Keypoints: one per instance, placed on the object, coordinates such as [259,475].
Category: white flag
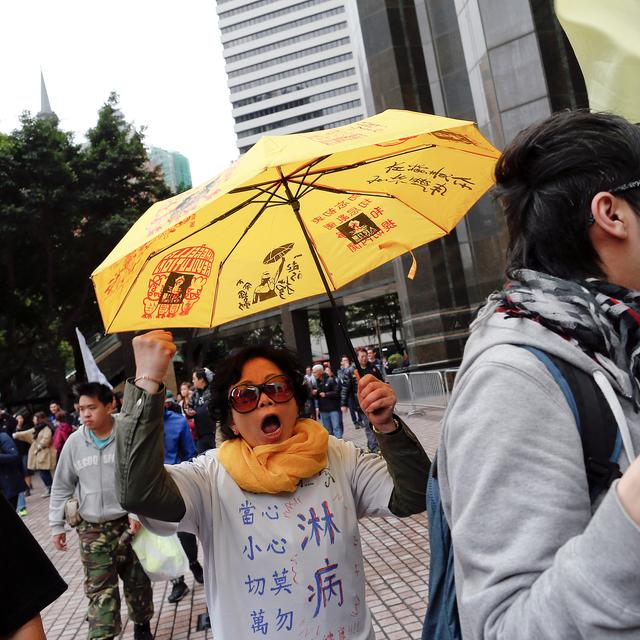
[91,368]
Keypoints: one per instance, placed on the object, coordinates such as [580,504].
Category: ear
[609,215]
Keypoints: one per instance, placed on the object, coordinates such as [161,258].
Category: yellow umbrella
[297,215]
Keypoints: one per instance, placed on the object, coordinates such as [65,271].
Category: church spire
[45,107]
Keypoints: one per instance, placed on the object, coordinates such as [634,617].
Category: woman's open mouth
[271,427]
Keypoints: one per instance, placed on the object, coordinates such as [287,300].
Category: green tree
[62,209]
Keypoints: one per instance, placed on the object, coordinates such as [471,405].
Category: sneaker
[196,569]
[142,631]
[357,425]
[179,591]
[22,512]
[47,492]
[27,492]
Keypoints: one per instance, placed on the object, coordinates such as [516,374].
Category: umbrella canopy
[297,215]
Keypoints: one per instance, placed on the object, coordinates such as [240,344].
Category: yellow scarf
[274,468]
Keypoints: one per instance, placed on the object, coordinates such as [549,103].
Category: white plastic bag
[162,557]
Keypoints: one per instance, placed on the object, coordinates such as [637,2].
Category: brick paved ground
[396,569]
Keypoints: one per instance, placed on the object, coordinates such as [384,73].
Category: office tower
[293,67]
[174,167]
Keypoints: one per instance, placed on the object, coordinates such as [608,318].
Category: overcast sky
[162,57]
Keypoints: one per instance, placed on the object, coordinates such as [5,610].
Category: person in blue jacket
[11,479]
[179,447]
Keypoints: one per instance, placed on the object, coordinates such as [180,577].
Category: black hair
[93,390]
[201,374]
[546,179]
[229,372]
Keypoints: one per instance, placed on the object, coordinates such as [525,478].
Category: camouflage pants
[104,558]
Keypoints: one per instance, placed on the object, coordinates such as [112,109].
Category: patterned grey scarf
[601,318]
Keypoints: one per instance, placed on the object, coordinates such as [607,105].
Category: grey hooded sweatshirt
[531,561]
[88,472]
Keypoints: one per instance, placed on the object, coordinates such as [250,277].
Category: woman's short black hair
[229,372]
[546,179]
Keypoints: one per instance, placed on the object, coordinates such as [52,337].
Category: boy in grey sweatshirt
[531,559]
[87,469]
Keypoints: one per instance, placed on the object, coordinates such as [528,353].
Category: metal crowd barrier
[418,390]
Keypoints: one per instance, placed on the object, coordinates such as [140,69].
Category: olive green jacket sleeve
[142,483]
[408,466]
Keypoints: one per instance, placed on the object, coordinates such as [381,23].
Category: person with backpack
[538,535]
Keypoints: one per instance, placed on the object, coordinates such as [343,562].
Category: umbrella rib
[314,186]
[244,233]
[368,161]
[304,167]
[306,173]
[426,217]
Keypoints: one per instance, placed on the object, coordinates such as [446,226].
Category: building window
[298,86]
[286,42]
[284,27]
[290,56]
[297,103]
[352,104]
[272,15]
[244,8]
[291,72]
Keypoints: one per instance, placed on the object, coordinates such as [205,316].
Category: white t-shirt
[286,565]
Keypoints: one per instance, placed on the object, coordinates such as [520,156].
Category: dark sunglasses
[245,397]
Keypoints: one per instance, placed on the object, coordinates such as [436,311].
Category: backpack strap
[598,428]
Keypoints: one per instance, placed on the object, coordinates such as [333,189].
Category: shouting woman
[276,508]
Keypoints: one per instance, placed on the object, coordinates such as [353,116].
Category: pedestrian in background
[54,407]
[328,399]
[198,410]
[12,482]
[86,469]
[179,447]
[42,455]
[7,421]
[62,433]
[23,449]
[347,392]
[351,385]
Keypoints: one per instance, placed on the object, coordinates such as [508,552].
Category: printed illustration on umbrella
[280,283]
